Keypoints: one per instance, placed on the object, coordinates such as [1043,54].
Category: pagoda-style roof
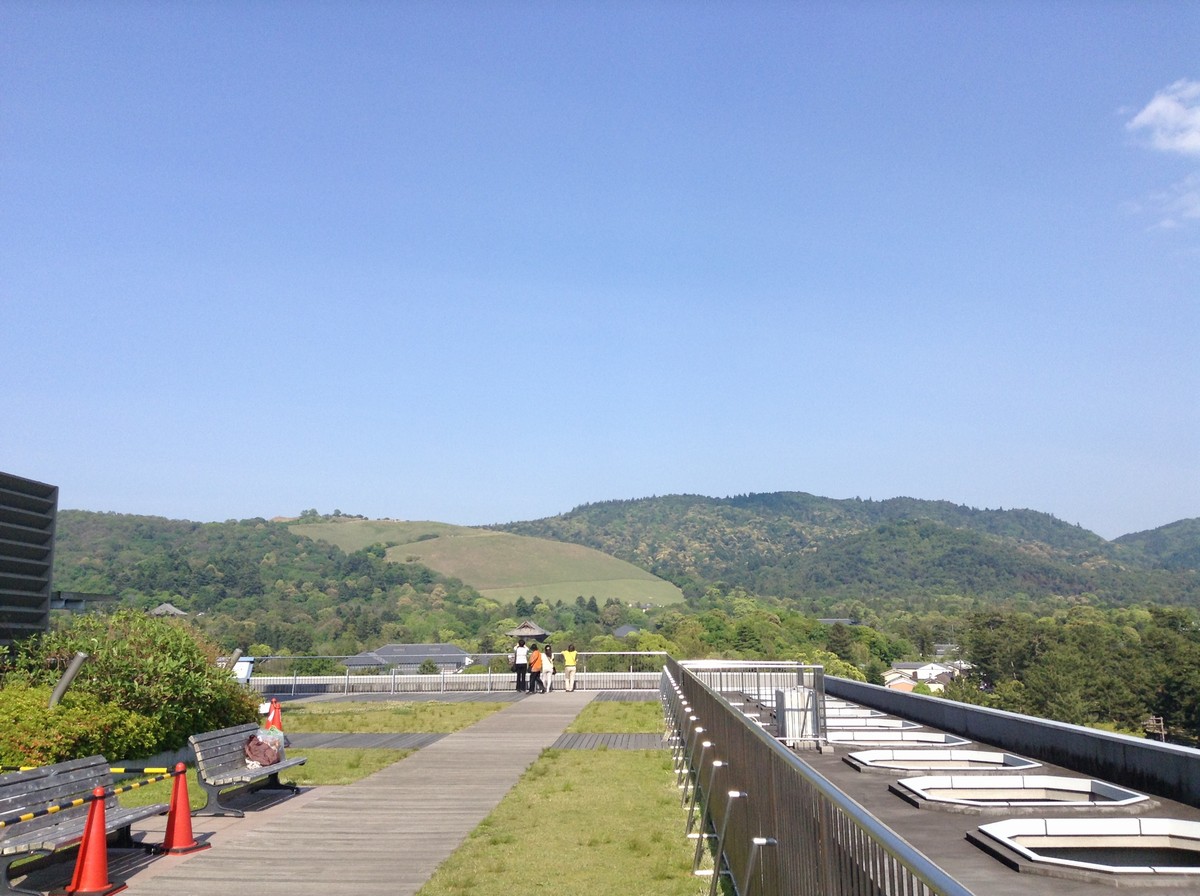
[167,609]
[528,629]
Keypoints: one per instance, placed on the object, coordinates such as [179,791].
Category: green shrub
[157,669]
[34,733]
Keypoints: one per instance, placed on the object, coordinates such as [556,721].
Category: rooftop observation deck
[322,842]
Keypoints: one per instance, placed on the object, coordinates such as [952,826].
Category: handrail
[767,756]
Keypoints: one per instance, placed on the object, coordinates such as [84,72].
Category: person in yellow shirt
[569,656]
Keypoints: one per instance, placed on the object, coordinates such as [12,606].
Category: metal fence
[489,672]
[775,826]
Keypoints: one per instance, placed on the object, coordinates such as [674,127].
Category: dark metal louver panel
[28,511]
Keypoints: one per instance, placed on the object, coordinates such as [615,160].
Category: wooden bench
[34,791]
[221,765]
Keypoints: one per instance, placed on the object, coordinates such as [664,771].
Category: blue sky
[483,262]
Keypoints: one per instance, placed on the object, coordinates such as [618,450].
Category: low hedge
[146,686]
[34,733]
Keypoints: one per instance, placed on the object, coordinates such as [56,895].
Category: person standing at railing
[521,663]
[569,656]
[535,670]
[548,667]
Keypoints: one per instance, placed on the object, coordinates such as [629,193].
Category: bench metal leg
[272,782]
[214,806]
[212,802]
[7,888]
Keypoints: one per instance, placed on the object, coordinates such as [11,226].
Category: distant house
[895,680]
[625,631]
[408,658]
[925,671]
[938,683]
[167,610]
[933,675]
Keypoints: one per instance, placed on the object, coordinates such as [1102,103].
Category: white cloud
[1172,119]
[1181,203]
[1172,123]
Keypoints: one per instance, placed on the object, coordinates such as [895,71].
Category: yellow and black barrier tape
[99,793]
[10,820]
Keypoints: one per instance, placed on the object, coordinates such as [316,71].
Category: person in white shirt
[521,663]
[548,667]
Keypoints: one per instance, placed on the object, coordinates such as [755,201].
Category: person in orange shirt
[535,670]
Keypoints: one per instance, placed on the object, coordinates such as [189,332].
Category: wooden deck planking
[609,741]
[388,832]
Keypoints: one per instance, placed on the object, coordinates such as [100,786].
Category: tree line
[254,585]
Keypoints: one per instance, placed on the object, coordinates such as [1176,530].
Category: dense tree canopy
[1068,627]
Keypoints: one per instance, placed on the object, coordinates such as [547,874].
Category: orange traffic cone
[91,867]
[274,717]
[179,837]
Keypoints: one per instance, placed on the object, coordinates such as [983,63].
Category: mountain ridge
[795,544]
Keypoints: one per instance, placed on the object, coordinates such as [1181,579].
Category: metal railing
[774,825]
[487,673]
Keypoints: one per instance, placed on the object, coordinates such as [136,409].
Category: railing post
[685,766]
[756,846]
[685,736]
[705,801]
[694,776]
[719,849]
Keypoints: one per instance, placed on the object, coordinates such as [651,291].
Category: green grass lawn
[583,821]
[580,821]
[610,717]
[384,717]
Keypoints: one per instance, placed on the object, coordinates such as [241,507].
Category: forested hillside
[817,552]
[257,585]
[1056,621]
[1174,546]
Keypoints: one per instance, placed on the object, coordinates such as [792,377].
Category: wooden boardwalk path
[385,834]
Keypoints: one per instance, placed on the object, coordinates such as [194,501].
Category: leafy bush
[33,733]
[155,669]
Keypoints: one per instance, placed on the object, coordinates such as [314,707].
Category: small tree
[427,667]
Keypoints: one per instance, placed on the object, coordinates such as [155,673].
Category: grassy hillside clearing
[500,565]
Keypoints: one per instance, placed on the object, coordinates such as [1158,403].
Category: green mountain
[1173,546]
[799,546]
[334,586]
